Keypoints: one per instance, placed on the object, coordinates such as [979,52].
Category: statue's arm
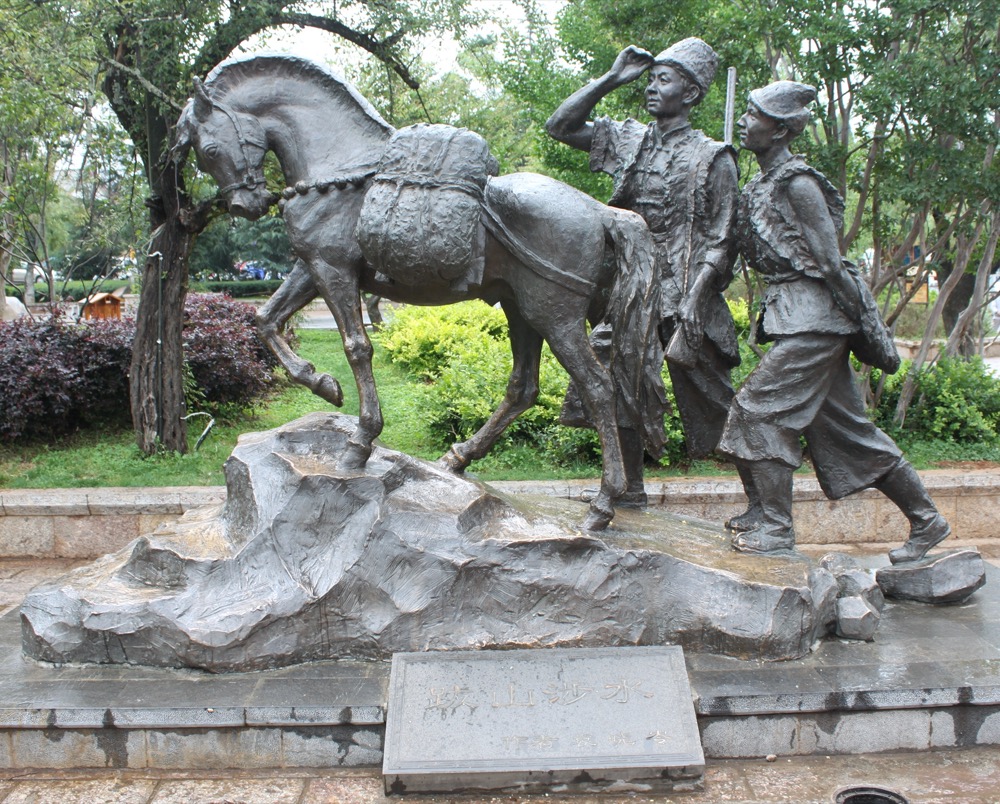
[570,123]
[714,268]
[808,206]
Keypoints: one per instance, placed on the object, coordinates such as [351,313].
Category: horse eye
[210,150]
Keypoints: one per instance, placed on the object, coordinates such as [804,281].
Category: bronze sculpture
[815,309]
[685,187]
[547,253]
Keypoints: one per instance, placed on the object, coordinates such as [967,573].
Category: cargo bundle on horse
[420,220]
[550,255]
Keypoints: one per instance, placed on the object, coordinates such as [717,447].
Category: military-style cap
[785,101]
[695,58]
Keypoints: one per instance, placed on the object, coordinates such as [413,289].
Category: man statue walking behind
[817,310]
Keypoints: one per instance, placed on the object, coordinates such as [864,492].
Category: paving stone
[102,791]
[26,536]
[77,748]
[865,732]
[243,791]
[92,536]
[341,790]
[331,747]
[44,502]
[748,737]
[214,748]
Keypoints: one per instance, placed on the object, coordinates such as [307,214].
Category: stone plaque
[579,719]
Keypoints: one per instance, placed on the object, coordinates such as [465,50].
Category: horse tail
[634,314]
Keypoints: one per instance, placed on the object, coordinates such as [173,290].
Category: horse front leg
[339,288]
[293,294]
[572,348]
[522,392]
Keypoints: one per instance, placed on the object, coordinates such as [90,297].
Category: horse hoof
[326,387]
[354,457]
[597,519]
[452,461]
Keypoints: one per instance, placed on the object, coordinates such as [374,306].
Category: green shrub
[422,340]
[463,355]
[956,400]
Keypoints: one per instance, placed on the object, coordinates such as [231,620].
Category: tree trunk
[955,306]
[157,375]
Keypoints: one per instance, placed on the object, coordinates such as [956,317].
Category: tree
[42,104]
[148,52]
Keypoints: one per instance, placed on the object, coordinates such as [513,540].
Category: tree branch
[144,82]
[382,50]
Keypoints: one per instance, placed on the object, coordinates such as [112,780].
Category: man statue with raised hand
[816,310]
[685,187]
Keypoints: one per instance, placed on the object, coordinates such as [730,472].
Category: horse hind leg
[295,293]
[522,392]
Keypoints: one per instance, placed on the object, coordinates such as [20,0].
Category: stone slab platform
[931,679]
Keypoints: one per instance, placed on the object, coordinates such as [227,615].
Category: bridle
[252,177]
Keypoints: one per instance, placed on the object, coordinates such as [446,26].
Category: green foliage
[424,340]
[957,401]
[462,354]
[228,241]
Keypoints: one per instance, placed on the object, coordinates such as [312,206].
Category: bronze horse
[554,264]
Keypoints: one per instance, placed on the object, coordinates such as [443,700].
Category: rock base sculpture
[948,577]
[305,561]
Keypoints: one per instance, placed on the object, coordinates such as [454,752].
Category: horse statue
[552,256]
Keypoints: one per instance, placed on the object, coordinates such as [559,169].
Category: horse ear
[202,101]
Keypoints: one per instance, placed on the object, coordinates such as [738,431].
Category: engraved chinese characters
[501,717]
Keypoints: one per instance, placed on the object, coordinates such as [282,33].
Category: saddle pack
[420,221]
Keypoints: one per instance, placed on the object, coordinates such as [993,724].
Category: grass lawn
[110,457]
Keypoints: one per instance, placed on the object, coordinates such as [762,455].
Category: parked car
[251,270]
[17,275]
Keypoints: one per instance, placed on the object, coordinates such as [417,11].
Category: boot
[927,527]
[633,457]
[773,533]
[750,518]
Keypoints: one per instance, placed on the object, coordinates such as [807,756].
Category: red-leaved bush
[229,363]
[56,377]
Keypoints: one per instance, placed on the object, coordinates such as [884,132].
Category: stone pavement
[965,776]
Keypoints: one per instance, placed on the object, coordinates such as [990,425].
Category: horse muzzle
[251,205]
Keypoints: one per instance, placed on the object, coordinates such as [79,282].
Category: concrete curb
[91,522]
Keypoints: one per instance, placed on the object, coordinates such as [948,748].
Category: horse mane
[230,73]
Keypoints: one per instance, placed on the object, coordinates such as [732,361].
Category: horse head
[230,146]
